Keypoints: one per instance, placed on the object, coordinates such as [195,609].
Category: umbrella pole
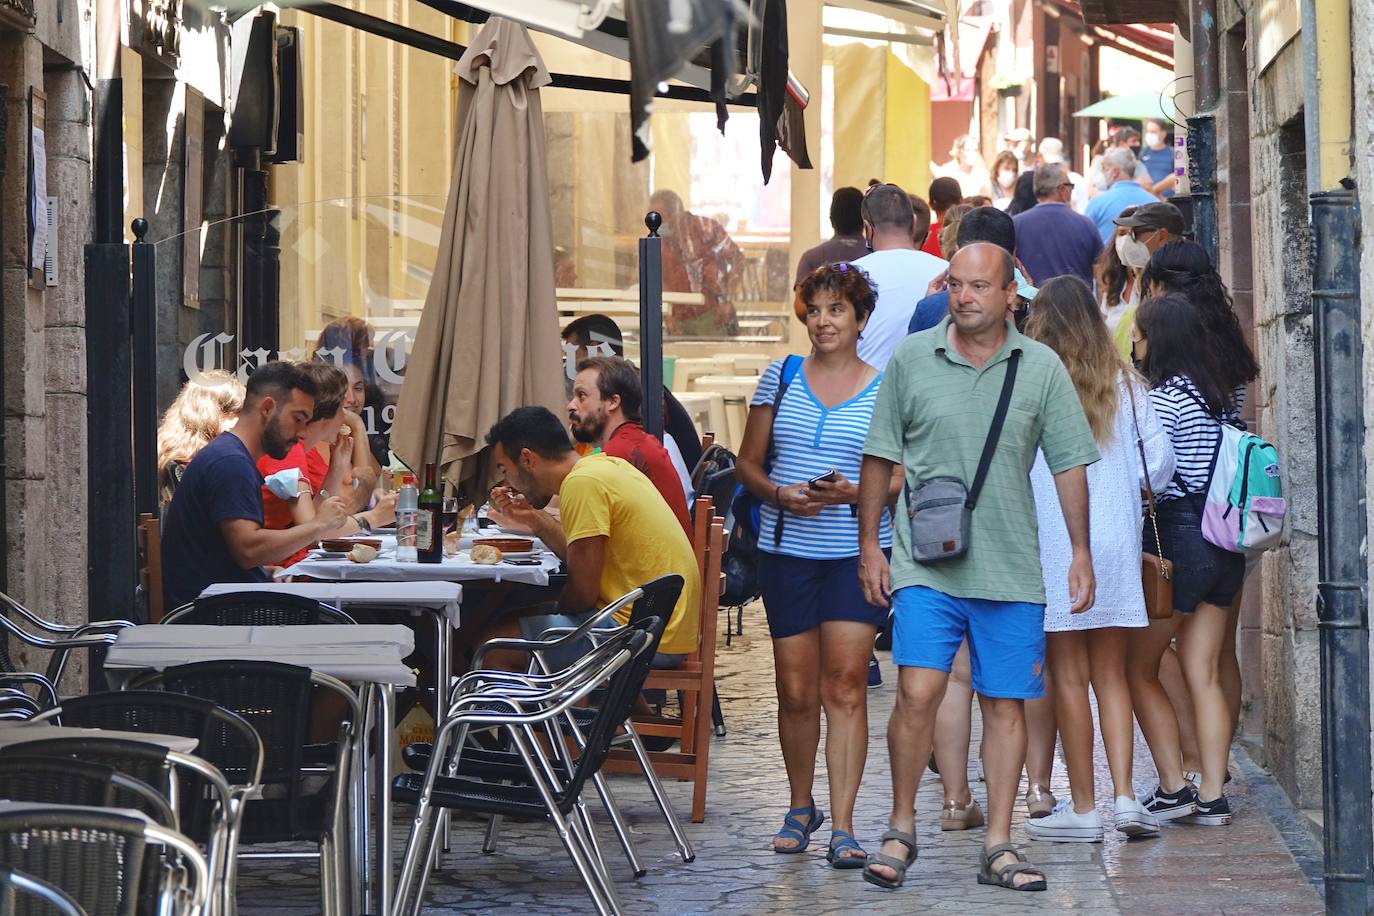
[651,323]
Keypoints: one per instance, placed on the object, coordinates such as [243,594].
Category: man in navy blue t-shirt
[212,530]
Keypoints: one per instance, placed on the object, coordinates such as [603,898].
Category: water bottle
[407,511]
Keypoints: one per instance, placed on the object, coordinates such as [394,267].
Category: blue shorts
[801,594]
[1006,639]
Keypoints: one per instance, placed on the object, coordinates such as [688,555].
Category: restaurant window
[360,217]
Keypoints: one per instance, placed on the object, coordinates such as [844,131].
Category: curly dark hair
[1183,268]
[847,282]
[1177,344]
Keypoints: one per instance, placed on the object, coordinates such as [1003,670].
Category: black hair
[277,380]
[889,206]
[846,211]
[987,224]
[922,211]
[1183,268]
[616,377]
[533,428]
[1177,344]
[1023,195]
[844,281]
[593,329]
[944,193]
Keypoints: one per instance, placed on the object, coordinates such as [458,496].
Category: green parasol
[1136,107]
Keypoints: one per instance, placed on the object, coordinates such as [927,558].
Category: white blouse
[1114,486]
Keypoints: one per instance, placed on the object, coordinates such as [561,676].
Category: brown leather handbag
[1156,573]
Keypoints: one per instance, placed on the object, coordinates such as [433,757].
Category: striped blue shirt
[810,440]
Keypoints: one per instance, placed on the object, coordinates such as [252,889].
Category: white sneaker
[1133,820]
[1064,825]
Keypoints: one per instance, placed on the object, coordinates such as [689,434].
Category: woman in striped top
[1183,267]
[1189,392]
[801,454]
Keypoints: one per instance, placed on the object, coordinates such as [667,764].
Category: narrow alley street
[1247,868]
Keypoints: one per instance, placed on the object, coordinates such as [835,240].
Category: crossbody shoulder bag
[1156,573]
[940,509]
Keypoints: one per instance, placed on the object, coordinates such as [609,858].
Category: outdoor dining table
[12,733]
[369,656]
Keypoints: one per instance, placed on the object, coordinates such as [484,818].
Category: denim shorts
[1006,639]
[1203,572]
[801,594]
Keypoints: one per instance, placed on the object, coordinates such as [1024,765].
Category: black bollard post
[651,324]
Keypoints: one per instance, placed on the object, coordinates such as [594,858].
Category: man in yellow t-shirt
[620,533]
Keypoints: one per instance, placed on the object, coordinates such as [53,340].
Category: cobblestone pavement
[1245,868]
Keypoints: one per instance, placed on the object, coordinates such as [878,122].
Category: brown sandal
[961,817]
[1039,800]
[1006,875]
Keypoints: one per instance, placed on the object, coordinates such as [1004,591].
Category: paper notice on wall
[38,200]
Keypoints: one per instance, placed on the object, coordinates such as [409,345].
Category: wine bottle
[429,532]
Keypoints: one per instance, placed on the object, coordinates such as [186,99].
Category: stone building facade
[45,53]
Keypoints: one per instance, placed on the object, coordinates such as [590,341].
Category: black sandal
[1006,875]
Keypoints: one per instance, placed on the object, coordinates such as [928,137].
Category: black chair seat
[517,801]
[270,820]
[479,763]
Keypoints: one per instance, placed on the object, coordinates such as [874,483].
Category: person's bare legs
[1067,656]
[1171,678]
[1106,651]
[1041,732]
[845,647]
[1200,640]
[1004,754]
[1229,664]
[953,728]
[1153,710]
[919,691]
[795,662]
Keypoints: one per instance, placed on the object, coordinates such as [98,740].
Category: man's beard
[274,444]
[589,431]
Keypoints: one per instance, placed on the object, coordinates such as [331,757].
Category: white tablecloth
[365,653]
[445,595]
[12,733]
[453,569]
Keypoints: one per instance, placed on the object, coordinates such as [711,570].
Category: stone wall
[1289,668]
[45,362]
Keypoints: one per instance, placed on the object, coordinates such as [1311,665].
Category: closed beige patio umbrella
[488,340]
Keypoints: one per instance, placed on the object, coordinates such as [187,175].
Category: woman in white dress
[1090,647]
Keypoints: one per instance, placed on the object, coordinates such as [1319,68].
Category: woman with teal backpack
[1189,392]
[800,457]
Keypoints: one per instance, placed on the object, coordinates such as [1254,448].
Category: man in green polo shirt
[933,414]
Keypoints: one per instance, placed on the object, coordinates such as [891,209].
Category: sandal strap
[897,865]
[1016,868]
[793,827]
[992,852]
[843,839]
[901,836]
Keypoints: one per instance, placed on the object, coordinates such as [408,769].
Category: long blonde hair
[195,417]
[1064,317]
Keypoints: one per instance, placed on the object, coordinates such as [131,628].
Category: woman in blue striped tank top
[801,455]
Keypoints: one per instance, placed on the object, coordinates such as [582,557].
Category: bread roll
[486,555]
[362,553]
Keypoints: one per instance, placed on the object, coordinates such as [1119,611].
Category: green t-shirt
[932,416]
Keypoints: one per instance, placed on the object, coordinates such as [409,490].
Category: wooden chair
[150,564]
[695,679]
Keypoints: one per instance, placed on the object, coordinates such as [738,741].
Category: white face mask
[1132,253]
[1153,140]
[1006,178]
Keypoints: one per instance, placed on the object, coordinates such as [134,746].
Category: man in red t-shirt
[604,411]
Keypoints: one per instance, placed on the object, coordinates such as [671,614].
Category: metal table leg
[386,714]
[443,677]
[363,883]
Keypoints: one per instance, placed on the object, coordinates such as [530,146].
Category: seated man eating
[213,527]
[619,531]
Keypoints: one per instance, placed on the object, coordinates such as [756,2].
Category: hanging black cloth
[772,91]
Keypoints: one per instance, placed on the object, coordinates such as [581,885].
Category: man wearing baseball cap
[1150,225]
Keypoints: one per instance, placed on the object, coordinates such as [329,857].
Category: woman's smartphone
[522,561]
[827,477]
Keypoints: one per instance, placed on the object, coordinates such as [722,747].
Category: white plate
[328,554]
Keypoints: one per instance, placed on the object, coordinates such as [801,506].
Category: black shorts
[801,594]
[1203,572]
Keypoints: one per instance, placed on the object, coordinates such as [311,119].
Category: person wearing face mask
[1157,155]
[1021,144]
[1148,229]
[1005,168]
[1118,167]
[966,167]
